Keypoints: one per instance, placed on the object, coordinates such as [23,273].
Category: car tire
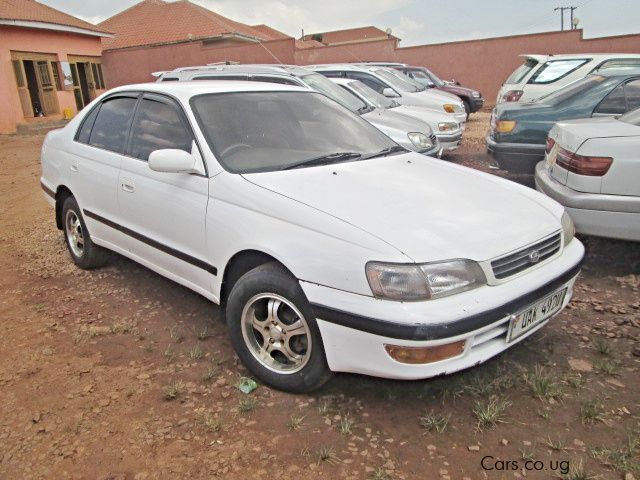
[262,305]
[467,108]
[84,253]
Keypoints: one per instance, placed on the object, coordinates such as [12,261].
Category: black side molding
[153,243]
[48,191]
[442,330]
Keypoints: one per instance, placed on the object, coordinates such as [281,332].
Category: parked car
[472,99]
[385,82]
[541,75]
[518,131]
[409,132]
[447,129]
[330,247]
[592,167]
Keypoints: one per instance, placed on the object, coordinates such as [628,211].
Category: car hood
[428,209]
[573,133]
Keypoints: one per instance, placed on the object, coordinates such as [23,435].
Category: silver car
[411,133]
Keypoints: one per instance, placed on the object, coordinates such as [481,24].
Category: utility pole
[562,9]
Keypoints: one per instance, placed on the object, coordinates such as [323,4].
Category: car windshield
[519,73]
[322,84]
[265,131]
[632,117]
[578,87]
[396,82]
[371,96]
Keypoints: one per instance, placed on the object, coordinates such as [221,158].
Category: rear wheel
[273,330]
[84,252]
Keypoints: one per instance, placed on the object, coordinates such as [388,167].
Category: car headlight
[447,126]
[568,228]
[413,282]
[475,94]
[420,140]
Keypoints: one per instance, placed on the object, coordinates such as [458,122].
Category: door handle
[128,187]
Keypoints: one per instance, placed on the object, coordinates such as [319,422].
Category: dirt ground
[121,374]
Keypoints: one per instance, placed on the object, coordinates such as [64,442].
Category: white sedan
[592,167]
[330,247]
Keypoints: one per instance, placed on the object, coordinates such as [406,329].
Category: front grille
[522,259]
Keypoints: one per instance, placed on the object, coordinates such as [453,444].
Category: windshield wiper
[386,151]
[324,160]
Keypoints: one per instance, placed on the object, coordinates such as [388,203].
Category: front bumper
[355,328]
[601,215]
[515,157]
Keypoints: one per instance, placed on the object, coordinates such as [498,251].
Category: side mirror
[171,160]
[388,92]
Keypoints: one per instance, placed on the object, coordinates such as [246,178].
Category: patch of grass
[295,422]
[434,422]
[624,459]
[196,353]
[380,474]
[325,453]
[210,375]
[176,334]
[345,425]
[211,423]
[491,413]
[173,390]
[120,327]
[577,472]
[169,355]
[247,404]
[602,346]
[203,333]
[590,412]
[605,365]
[542,384]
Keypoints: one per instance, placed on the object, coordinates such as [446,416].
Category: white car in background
[390,83]
[330,247]
[592,167]
[444,125]
[540,75]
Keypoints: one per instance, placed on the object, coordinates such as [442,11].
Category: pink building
[50,62]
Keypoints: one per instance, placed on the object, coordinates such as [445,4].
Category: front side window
[111,126]
[266,131]
[554,70]
[158,125]
[521,72]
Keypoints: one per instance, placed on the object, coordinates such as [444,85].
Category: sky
[414,21]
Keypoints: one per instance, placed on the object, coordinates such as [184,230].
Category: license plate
[551,156]
[535,314]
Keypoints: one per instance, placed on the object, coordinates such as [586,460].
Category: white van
[540,75]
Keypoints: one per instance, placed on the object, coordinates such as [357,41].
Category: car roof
[187,89]
[290,70]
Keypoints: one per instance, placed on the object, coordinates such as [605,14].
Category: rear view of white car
[592,167]
[540,75]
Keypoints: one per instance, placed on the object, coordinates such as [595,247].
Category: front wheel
[273,330]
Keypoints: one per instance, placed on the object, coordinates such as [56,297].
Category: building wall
[36,41]
[135,65]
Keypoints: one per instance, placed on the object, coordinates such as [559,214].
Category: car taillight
[550,143]
[512,95]
[583,165]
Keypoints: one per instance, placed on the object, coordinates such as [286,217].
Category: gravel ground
[121,374]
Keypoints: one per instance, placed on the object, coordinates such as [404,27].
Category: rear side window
[554,70]
[158,125]
[111,126]
[522,71]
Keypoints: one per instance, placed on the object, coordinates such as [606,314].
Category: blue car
[518,134]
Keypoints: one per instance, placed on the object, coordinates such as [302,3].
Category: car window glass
[556,69]
[158,125]
[519,73]
[112,124]
[87,124]
[632,93]
[615,103]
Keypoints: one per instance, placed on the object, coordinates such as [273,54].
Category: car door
[163,213]
[97,152]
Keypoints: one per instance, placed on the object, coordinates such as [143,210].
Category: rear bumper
[601,215]
[515,157]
